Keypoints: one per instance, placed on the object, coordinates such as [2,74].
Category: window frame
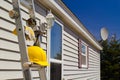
[53,59]
[57,61]
[80,54]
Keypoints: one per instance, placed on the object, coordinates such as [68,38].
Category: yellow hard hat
[37,55]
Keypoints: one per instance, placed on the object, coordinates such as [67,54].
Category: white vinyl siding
[10,65]
[71,71]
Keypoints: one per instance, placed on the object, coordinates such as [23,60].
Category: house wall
[10,66]
[70,58]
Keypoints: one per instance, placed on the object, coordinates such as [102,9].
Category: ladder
[29,4]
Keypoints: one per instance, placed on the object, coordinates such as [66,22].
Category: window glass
[55,71]
[56,41]
[83,49]
[83,60]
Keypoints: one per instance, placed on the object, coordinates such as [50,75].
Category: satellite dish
[104,33]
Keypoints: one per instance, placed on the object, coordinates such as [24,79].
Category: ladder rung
[36,65]
[30,64]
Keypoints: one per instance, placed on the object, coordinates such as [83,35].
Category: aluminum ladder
[29,4]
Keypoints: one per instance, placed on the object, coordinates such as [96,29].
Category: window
[56,52]
[56,41]
[55,71]
[83,54]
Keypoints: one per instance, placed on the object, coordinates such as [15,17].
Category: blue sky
[95,14]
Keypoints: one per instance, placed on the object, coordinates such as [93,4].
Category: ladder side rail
[42,73]
[22,41]
[32,10]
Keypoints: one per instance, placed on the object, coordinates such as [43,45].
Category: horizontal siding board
[5,75]
[10,1]
[12,65]
[9,55]
[73,42]
[94,56]
[94,53]
[94,61]
[94,64]
[4,4]
[75,68]
[67,67]
[81,76]
[7,25]
[9,45]
[79,72]
[70,58]
[86,78]
[70,36]
[70,53]
[72,63]
[8,35]
[5,15]
[70,49]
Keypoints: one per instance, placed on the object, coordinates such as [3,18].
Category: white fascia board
[76,26]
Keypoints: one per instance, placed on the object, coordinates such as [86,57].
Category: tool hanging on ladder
[30,55]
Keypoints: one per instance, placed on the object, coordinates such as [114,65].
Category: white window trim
[55,60]
[51,59]
[86,54]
